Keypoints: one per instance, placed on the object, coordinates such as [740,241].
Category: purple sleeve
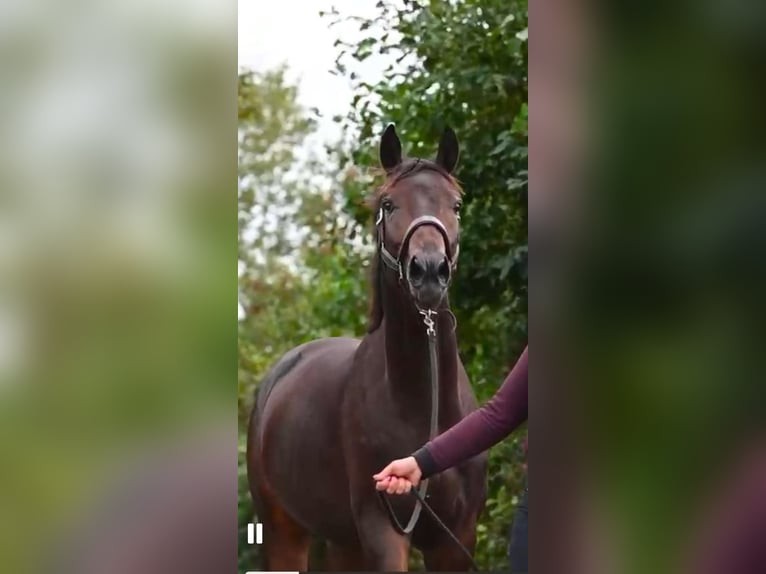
[733,525]
[483,428]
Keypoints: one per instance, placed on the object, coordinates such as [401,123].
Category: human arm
[477,432]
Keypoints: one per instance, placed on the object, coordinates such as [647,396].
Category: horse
[332,412]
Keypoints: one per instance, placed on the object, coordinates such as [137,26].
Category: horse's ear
[449,150]
[390,149]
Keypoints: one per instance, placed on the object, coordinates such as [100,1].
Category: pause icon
[255,533]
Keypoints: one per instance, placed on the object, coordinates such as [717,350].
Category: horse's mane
[407,168]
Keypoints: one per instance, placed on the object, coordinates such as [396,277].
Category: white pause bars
[255,533]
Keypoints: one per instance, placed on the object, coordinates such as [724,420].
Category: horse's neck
[407,358]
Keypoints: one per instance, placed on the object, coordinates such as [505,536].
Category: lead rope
[420,493]
[446,529]
[433,368]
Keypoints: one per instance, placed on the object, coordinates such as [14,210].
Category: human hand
[399,476]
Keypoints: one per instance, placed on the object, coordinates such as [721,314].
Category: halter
[396,263]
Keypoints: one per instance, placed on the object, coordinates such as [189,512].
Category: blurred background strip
[117,285]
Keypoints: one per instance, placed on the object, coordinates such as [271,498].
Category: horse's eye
[387,205]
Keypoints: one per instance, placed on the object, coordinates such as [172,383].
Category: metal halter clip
[428,321]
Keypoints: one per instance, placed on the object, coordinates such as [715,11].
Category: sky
[292,32]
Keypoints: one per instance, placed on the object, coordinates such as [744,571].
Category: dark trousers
[517,545]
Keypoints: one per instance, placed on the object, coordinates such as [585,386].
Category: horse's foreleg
[286,543]
[344,558]
[384,548]
[447,556]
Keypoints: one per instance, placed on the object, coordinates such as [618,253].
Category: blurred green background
[304,229]
[117,337]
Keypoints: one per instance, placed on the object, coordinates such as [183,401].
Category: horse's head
[417,218]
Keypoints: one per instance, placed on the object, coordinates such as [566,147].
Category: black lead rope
[446,529]
[433,368]
[420,493]
[395,263]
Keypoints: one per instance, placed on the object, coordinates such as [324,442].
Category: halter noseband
[395,263]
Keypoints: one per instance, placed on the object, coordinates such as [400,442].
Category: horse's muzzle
[428,275]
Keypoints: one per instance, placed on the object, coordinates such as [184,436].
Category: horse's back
[294,434]
[318,366]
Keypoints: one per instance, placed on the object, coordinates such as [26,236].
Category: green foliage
[271,124]
[461,64]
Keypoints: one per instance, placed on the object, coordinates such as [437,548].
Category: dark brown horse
[333,412]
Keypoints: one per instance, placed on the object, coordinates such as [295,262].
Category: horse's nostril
[417,269]
[443,271]
[428,268]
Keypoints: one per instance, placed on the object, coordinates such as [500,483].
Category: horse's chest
[446,495]
[448,498]
[447,490]
[397,439]
[384,427]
